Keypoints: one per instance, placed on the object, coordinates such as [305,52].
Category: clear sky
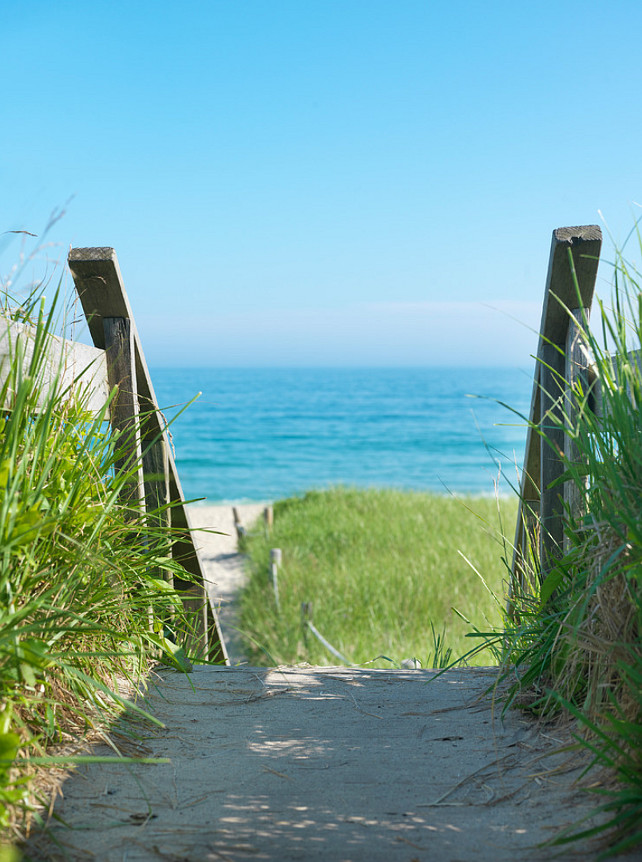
[322,181]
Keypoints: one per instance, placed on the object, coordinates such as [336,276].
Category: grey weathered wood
[567,287]
[156,478]
[100,287]
[561,292]
[124,406]
[551,440]
[634,357]
[276,558]
[576,376]
[76,367]
[156,484]
[241,531]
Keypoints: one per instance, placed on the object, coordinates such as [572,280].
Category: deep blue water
[263,434]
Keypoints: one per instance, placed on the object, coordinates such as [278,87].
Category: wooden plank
[156,485]
[119,350]
[576,374]
[584,243]
[100,287]
[551,440]
[79,367]
[560,293]
[634,357]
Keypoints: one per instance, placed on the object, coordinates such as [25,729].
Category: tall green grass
[83,601]
[576,639]
[383,570]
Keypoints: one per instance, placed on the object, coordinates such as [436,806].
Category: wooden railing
[117,361]
[561,360]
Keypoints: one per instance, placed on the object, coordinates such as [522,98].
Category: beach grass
[573,644]
[84,603]
[390,575]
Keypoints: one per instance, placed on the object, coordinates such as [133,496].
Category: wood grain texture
[156,489]
[100,287]
[576,375]
[561,293]
[124,406]
[99,284]
[551,440]
[598,402]
[570,283]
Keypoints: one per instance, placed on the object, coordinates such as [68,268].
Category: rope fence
[308,626]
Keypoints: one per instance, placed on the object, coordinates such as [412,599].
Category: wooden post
[537,500]
[306,617]
[276,558]
[268,520]
[241,532]
[100,287]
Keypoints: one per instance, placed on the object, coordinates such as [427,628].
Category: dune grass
[576,635]
[383,569]
[83,601]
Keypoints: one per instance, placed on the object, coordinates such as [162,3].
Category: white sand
[223,564]
[326,765]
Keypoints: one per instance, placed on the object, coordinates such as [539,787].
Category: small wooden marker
[241,532]
[276,557]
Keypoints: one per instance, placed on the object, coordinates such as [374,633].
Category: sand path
[224,565]
[338,764]
[302,763]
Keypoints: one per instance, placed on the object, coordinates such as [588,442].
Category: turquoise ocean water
[263,434]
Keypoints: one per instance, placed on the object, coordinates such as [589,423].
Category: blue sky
[322,183]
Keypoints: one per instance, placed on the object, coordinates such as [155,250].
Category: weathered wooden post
[577,378]
[567,299]
[276,558]
[241,532]
[268,520]
[100,287]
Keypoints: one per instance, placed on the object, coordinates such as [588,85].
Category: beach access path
[307,763]
[223,564]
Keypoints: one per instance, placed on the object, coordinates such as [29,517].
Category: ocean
[264,434]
